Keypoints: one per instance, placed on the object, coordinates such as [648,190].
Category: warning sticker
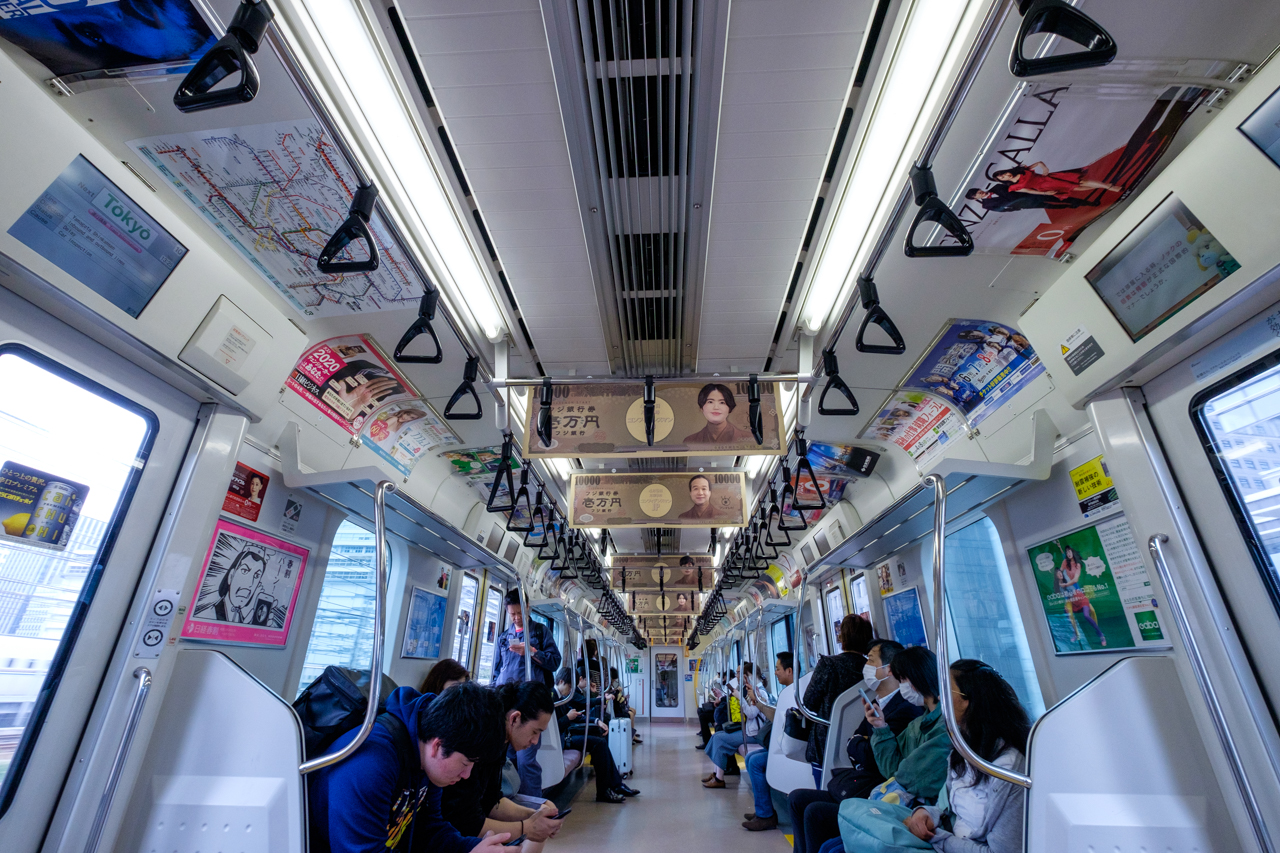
[1080,350]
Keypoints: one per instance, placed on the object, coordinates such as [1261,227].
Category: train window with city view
[342,633]
[61,501]
[1239,424]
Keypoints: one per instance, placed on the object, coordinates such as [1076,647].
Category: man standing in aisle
[508,667]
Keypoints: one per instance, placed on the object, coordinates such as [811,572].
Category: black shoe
[613,796]
[627,791]
[732,768]
[699,746]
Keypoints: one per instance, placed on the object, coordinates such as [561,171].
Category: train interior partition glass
[60,499]
[834,604]
[465,630]
[490,626]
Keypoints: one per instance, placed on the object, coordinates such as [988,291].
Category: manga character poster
[976,365]
[348,378]
[247,589]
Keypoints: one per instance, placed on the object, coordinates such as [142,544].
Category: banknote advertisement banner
[683,578]
[675,602]
[347,378]
[659,499]
[709,419]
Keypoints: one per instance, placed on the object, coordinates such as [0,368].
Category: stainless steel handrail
[760,699]
[528,628]
[976,761]
[1261,833]
[122,753]
[800,706]
[567,699]
[379,634]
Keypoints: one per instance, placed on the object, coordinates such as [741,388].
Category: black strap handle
[544,413]
[469,375]
[877,315]
[834,383]
[773,521]
[229,55]
[504,469]
[650,410]
[803,467]
[521,493]
[1067,22]
[753,409]
[421,326]
[356,227]
[532,539]
[788,491]
[935,210]
[547,548]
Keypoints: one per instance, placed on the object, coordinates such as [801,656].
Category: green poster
[1095,590]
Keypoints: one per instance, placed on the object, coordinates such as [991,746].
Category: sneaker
[760,824]
[610,797]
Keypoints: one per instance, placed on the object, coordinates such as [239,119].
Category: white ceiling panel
[489,68]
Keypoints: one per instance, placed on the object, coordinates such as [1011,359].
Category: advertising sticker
[244,495]
[348,378]
[37,507]
[667,499]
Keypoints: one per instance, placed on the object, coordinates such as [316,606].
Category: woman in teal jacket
[915,760]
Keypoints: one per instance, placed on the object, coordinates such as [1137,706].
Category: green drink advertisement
[1095,590]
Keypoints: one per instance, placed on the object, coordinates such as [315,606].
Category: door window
[1238,421]
[466,628]
[490,626]
[835,614]
[71,453]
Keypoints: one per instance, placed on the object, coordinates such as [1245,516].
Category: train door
[468,595]
[491,624]
[90,449]
[833,603]
[1203,438]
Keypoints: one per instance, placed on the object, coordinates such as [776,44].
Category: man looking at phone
[764,816]
[508,668]
[815,814]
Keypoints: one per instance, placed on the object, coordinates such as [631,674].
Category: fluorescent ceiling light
[754,464]
[885,155]
[372,94]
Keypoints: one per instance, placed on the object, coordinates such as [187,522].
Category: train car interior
[728,421]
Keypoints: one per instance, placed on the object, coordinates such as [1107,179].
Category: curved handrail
[760,699]
[800,706]
[1207,692]
[975,761]
[379,634]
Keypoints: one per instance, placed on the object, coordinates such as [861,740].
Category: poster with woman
[424,625]
[666,499]
[247,588]
[1095,590]
[244,495]
[348,378]
[402,433]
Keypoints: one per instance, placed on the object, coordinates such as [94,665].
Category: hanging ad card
[921,424]
[402,433]
[684,578]
[675,602]
[424,625]
[709,419]
[905,618]
[1262,127]
[1095,590]
[244,495]
[667,499]
[100,237]
[1094,490]
[830,466]
[39,508]
[1163,265]
[347,378]
[95,35]
[642,561]
[248,588]
[977,366]
[1067,154]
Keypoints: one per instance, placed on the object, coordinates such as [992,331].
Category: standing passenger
[508,668]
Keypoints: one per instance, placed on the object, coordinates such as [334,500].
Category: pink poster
[347,378]
[248,588]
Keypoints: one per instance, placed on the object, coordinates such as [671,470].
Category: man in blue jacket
[508,668]
[386,795]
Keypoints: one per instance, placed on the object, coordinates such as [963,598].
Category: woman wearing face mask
[915,760]
[975,813]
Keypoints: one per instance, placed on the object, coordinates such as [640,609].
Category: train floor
[673,811]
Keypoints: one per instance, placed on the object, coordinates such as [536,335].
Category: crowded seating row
[454,767]
[904,786]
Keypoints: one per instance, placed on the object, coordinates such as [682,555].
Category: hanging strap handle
[878,316]
[229,55]
[544,412]
[650,410]
[521,493]
[803,467]
[935,210]
[356,227]
[469,375]
[536,518]
[1057,18]
[421,326]
[753,409]
[504,469]
[834,383]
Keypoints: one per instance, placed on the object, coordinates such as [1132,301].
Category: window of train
[342,633]
[465,629]
[1238,420]
[490,627]
[62,498]
[779,641]
[984,619]
[834,600]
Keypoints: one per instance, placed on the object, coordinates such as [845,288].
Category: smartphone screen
[515,842]
[562,814]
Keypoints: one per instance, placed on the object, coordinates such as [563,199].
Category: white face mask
[869,675]
[910,694]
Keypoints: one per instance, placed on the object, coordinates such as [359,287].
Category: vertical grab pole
[122,752]
[568,644]
[379,633]
[528,627]
[940,632]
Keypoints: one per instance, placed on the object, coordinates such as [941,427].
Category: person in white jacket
[723,744]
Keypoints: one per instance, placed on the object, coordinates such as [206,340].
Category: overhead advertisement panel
[667,499]
[684,578]
[703,418]
[676,602]
[348,378]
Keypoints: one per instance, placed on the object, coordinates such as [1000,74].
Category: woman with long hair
[445,674]
[833,675]
[1036,179]
[1077,601]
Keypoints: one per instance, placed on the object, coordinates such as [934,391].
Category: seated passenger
[724,744]
[386,795]
[975,812]
[833,675]
[758,762]
[475,805]
[914,760]
[574,725]
[445,674]
[621,707]
[708,712]
[815,814]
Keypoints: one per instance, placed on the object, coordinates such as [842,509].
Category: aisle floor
[673,811]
